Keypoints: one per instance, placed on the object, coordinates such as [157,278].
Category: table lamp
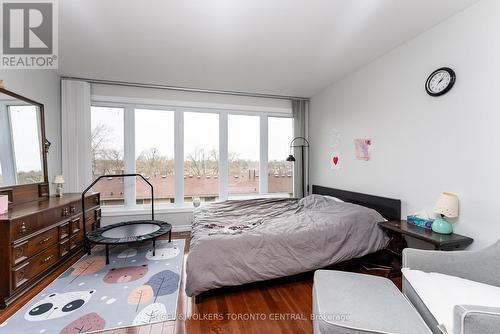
[59,181]
[446,206]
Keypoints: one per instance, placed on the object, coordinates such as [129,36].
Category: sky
[155,129]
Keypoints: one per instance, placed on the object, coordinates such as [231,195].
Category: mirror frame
[26,192]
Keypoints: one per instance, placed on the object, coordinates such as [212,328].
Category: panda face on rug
[58,305]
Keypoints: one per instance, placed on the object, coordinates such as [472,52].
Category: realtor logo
[29,34]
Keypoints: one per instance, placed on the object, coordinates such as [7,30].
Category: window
[179,151]
[243,155]
[280,171]
[154,155]
[201,156]
[107,142]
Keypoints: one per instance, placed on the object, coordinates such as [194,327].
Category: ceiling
[288,47]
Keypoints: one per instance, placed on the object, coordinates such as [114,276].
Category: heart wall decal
[335,161]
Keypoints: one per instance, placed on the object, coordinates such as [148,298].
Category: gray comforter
[238,242]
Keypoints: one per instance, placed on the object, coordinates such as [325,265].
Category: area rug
[135,289]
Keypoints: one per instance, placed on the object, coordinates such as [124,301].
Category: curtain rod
[186,89]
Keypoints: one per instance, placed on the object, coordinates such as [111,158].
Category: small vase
[196,202]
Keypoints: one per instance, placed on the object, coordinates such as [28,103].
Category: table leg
[170,236]
[154,247]
[88,245]
[395,247]
[107,254]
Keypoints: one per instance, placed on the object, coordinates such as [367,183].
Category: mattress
[239,242]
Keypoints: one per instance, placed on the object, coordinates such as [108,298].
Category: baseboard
[181,228]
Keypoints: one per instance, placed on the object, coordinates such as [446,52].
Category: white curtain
[300,116]
[76,129]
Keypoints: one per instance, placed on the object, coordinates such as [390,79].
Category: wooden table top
[440,240]
[29,208]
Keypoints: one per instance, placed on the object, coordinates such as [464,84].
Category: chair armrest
[481,266]
[472,319]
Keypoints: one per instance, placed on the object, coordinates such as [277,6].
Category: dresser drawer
[42,241]
[91,201]
[90,223]
[97,214]
[76,225]
[32,246]
[20,275]
[34,266]
[97,217]
[19,253]
[63,248]
[43,260]
[64,230]
[76,240]
[22,227]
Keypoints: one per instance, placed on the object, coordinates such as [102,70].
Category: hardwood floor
[277,306]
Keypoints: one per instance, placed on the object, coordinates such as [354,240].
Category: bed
[239,242]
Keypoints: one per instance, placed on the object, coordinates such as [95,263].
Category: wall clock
[440,81]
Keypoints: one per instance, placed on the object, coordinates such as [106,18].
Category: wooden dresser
[37,237]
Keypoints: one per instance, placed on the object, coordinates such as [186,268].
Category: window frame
[130,105]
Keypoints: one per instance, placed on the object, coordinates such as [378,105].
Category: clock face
[440,81]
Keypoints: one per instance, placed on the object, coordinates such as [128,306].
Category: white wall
[42,86]
[422,145]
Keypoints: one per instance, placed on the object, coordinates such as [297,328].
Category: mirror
[22,137]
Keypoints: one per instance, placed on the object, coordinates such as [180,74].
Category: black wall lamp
[304,144]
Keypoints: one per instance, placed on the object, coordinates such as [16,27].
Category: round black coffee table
[129,232]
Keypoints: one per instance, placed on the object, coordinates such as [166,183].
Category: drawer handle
[47,259]
[65,212]
[41,242]
[23,228]
[72,209]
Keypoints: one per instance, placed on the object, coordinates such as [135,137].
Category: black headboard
[389,208]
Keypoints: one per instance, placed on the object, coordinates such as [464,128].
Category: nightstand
[446,242]
[398,229]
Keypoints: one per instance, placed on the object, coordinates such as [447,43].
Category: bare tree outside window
[280,171]
[244,155]
[107,140]
[201,156]
[155,148]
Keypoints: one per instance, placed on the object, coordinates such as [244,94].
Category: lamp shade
[58,179]
[447,205]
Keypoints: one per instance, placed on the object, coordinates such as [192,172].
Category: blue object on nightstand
[420,222]
[442,226]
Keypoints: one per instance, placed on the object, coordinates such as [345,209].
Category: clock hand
[440,81]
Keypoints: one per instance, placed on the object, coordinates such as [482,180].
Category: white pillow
[441,293]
